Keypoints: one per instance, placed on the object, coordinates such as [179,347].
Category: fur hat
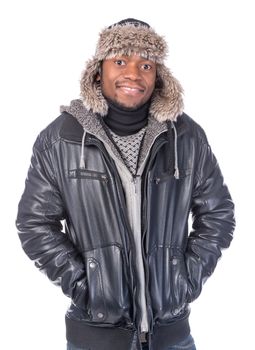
[127,37]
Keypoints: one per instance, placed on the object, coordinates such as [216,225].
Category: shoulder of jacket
[189,126]
[51,134]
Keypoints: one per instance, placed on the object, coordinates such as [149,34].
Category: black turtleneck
[126,122]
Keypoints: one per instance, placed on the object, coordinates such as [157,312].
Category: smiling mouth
[130,89]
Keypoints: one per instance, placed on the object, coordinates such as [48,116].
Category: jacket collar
[79,118]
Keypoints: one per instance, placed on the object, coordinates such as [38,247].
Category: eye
[146,66]
[120,62]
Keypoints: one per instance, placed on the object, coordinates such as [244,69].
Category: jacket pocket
[168,282]
[163,177]
[87,174]
[108,292]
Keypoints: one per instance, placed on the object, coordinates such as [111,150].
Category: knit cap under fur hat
[127,37]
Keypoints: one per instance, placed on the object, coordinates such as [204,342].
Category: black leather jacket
[94,260]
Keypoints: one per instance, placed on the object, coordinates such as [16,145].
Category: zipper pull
[135,182]
[157,180]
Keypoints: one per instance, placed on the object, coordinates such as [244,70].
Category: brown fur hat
[127,37]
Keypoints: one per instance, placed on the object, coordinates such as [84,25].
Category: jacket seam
[197,176]
[53,170]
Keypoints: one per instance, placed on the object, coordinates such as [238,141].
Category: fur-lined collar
[91,123]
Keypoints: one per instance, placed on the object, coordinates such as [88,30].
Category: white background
[44,45]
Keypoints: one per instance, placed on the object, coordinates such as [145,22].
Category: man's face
[128,81]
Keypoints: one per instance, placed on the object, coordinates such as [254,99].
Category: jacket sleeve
[213,221]
[40,212]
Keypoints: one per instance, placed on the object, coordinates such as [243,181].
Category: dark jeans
[186,344]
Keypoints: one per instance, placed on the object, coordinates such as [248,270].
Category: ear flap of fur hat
[167,101]
[91,93]
[126,38]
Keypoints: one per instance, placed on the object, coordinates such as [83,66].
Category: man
[124,167]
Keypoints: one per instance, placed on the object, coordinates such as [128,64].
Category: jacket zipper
[136,306]
[125,218]
[145,239]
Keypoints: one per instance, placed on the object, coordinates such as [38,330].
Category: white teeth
[131,89]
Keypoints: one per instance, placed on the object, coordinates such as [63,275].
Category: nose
[132,72]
